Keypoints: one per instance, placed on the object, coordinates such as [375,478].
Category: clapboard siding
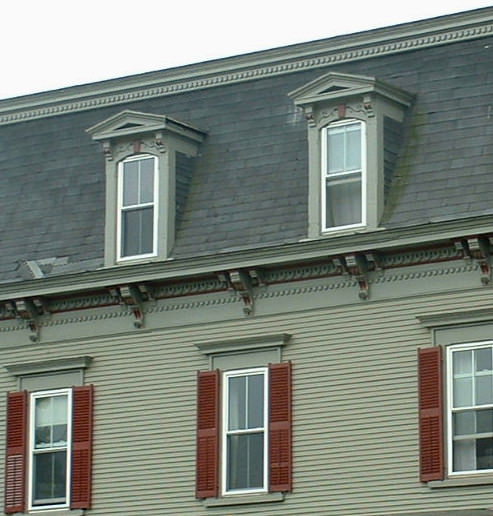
[355,411]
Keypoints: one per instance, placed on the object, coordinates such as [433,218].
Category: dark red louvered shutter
[430,413]
[15,461]
[207,434]
[280,461]
[82,423]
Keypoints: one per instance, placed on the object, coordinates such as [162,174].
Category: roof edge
[278,61]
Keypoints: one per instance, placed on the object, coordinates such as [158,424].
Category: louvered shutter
[207,434]
[82,423]
[430,413]
[280,462]
[15,462]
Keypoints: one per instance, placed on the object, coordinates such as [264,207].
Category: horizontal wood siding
[355,418]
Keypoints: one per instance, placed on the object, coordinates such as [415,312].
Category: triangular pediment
[334,86]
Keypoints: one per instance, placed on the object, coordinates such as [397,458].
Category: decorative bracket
[29,311]
[107,151]
[243,281]
[358,266]
[479,249]
[133,296]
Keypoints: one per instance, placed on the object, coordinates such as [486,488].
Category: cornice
[306,56]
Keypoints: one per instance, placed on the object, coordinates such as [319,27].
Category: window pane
[137,232]
[464,455]
[50,422]
[335,150]
[483,359]
[484,421]
[130,183]
[462,362]
[484,453]
[237,403]
[245,461]
[49,477]
[353,147]
[484,390]
[343,201]
[464,423]
[146,180]
[463,392]
[256,401]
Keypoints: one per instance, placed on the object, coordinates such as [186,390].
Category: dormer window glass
[137,181]
[343,188]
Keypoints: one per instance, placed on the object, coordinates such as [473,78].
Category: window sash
[470,408]
[248,443]
[137,208]
[343,187]
[59,468]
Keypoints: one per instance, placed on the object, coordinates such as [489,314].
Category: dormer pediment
[130,123]
[334,87]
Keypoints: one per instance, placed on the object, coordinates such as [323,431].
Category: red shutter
[82,403]
[15,462]
[207,434]
[280,462]
[430,413]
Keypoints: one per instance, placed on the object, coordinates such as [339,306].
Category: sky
[52,44]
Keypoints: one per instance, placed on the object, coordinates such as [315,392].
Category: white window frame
[225,432]
[32,407]
[325,174]
[120,208]
[450,409]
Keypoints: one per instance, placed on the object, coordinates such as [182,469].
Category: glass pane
[237,403]
[49,477]
[464,423]
[245,461]
[484,453]
[483,359]
[50,422]
[137,232]
[463,392]
[484,421]
[464,455]
[462,362]
[343,201]
[335,150]
[256,401]
[130,183]
[484,390]
[353,148]
[146,180]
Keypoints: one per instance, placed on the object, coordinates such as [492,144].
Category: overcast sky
[50,44]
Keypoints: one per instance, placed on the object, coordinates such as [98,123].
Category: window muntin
[343,175]
[244,441]
[470,418]
[50,448]
[137,207]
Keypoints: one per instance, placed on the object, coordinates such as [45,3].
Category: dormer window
[344,175]
[137,211]
[147,155]
[355,127]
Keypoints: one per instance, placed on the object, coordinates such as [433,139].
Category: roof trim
[399,38]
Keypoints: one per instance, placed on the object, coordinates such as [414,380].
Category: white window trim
[32,397]
[154,204]
[324,175]
[450,351]
[224,433]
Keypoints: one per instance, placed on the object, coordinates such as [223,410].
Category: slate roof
[250,185]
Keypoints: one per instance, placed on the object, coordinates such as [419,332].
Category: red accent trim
[341,110]
[280,422]
[430,414]
[207,480]
[82,427]
[136,147]
[15,461]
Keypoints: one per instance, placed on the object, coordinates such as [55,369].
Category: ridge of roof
[278,61]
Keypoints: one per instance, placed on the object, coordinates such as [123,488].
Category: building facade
[257,285]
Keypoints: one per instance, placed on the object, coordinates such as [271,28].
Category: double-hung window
[245,437]
[344,175]
[137,210]
[470,402]
[50,447]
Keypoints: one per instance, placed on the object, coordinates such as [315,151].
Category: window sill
[461,481]
[243,499]
[56,512]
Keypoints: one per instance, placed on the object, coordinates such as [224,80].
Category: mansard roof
[249,186]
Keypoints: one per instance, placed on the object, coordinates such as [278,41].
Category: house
[256,285]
